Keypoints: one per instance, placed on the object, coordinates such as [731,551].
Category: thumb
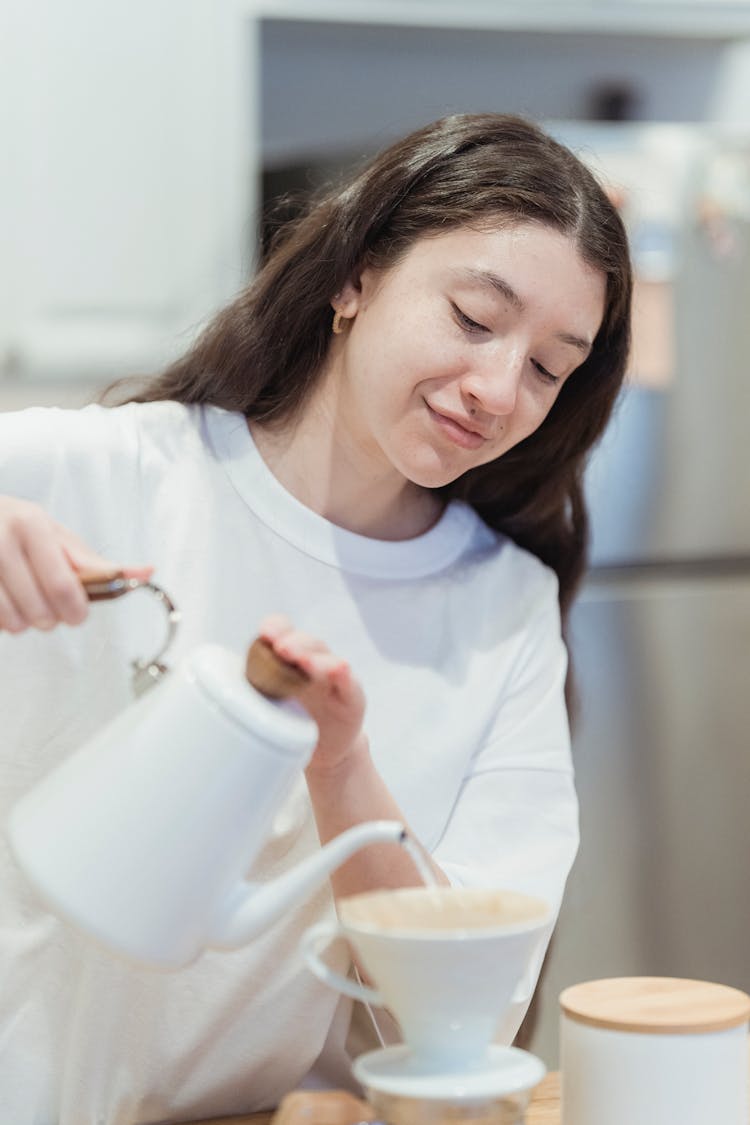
[86,561]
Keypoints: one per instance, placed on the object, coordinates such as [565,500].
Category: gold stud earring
[337,327]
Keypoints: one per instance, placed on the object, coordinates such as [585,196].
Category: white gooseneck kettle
[143,837]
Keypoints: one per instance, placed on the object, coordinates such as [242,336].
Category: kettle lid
[220,673]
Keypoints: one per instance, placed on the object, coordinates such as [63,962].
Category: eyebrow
[488,279]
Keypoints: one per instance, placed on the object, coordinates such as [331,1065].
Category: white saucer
[394,1070]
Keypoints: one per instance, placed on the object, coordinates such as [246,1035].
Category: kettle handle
[313,942]
[105,586]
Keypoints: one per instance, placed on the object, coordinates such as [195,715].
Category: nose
[492,385]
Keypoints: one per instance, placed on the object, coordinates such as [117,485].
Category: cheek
[538,403]
[525,422]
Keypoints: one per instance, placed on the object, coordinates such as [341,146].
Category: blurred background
[146,147]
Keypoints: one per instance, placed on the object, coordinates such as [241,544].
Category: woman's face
[458,352]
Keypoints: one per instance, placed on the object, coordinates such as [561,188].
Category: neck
[319,461]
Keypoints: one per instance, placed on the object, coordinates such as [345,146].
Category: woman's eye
[546,375]
[466,322]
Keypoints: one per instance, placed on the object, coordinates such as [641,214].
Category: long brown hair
[264,352]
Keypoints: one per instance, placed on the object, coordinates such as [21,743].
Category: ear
[348,300]
[356,292]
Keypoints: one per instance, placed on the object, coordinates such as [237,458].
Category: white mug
[445,961]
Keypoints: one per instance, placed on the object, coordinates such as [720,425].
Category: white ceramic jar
[654,1051]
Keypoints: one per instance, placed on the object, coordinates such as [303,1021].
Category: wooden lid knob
[269,674]
[656,1005]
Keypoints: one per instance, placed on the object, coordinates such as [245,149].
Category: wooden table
[544,1108]
[545,1103]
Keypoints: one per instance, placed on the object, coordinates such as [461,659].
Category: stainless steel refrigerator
[660,636]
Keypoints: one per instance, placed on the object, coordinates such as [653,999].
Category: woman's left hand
[344,785]
[333,697]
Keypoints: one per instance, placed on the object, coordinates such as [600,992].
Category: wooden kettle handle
[105,585]
[269,674]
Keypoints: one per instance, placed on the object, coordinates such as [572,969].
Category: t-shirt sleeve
[519,788]
[77,464]
[514,824]
[44,449]
[32,450]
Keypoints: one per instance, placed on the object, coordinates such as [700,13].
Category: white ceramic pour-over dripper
[495,1091]
[445,961]
[142,838]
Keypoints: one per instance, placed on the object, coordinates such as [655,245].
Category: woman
[381,440]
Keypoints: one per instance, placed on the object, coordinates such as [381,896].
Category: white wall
[334,86]
[131,137]
[118,219]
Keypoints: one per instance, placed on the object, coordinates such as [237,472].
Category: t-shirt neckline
[316,536]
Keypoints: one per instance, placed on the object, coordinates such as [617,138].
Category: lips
[457,428]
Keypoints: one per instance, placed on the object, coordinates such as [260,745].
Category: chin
[427,475]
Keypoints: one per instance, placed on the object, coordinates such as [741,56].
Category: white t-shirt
[455,637]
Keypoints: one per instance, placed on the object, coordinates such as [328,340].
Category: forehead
[530,265]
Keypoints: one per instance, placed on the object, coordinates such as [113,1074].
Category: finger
[81,556]
[24,601]
[10,619]
[85,561]
[142,573]
[345,686]
[341,677]
[58,580]
[331,681]
[322,667]
[274,626]
[296,645]
[21,588]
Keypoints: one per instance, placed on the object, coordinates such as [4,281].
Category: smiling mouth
[457,432]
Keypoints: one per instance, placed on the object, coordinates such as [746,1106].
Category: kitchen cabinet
[135,134]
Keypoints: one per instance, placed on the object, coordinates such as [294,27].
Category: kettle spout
[251,908]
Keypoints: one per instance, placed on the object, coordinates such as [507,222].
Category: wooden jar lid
[656,1005]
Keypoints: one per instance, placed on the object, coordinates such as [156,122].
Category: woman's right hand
[39,564]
